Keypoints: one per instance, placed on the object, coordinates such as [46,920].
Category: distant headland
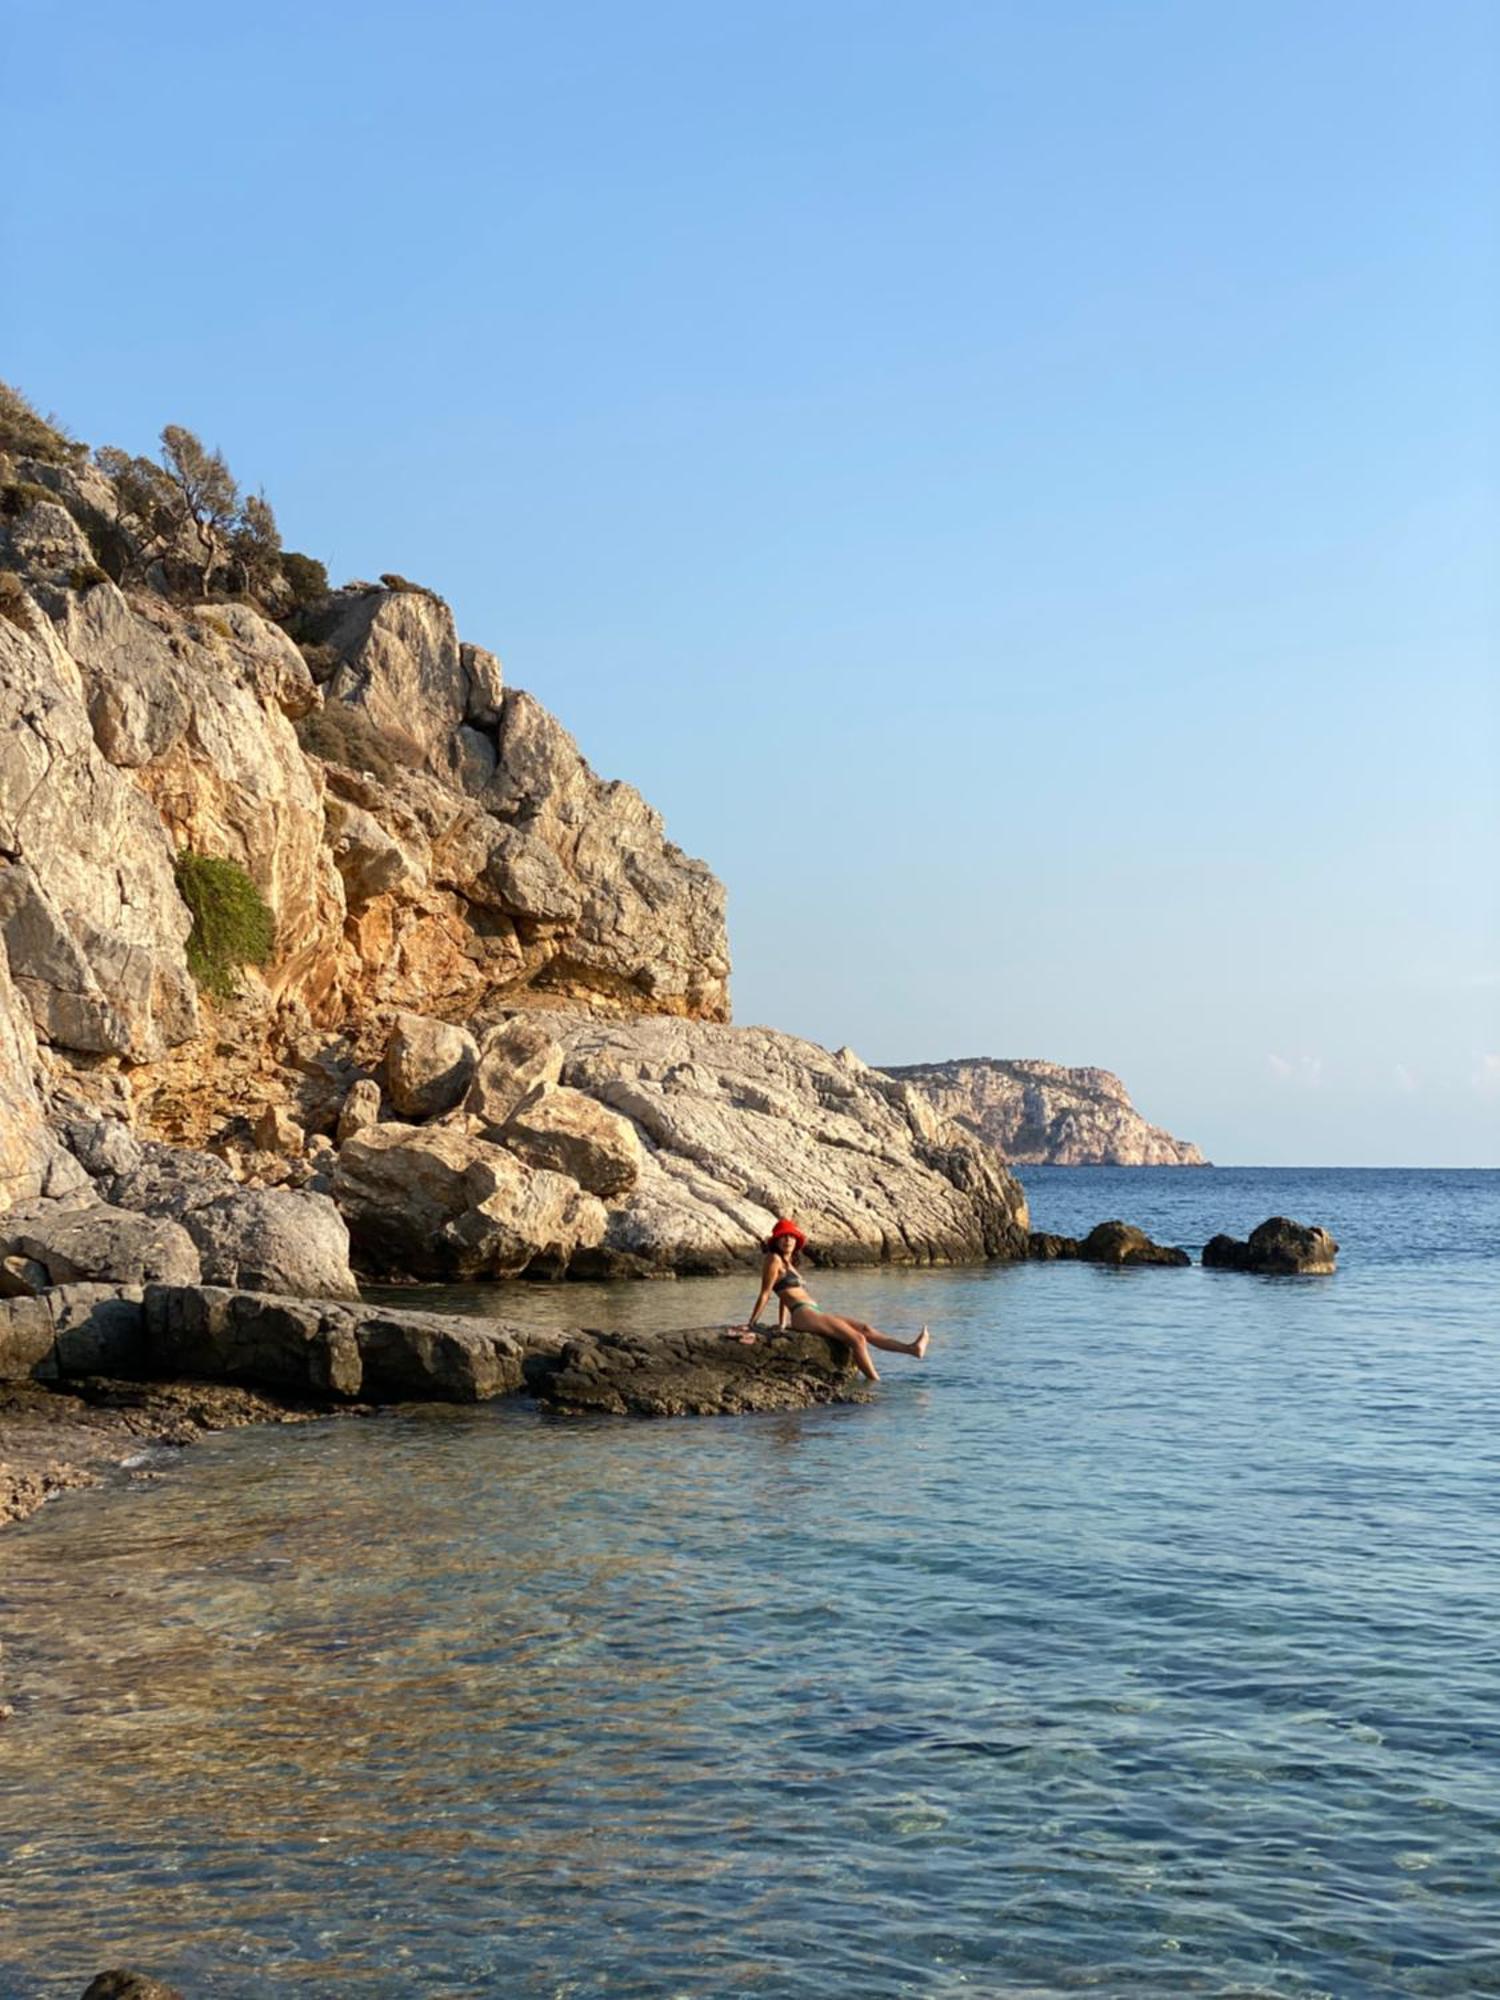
[1041,1114]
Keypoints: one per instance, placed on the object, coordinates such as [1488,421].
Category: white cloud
[1405,1079]
[1306,1071]
[1486,1077]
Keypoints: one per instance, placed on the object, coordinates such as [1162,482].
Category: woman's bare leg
[876,1338]
[842,1330]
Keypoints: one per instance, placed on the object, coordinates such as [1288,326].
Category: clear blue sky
[1015,484]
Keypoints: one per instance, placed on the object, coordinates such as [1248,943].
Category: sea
[1144,1640]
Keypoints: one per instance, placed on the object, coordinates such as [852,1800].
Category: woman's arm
[770,1271]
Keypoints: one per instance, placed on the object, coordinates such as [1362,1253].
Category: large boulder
[99,1244]
[572,1134]
[274,1240]
[428,1065]
[516,1059]
[1279,1248]
[331,1351]
[741,1125]
[439,1203]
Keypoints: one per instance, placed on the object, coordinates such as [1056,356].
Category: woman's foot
[921,1344]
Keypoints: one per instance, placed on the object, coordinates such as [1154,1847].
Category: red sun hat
[786,1227]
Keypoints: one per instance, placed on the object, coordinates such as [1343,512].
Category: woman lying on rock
[779,1274]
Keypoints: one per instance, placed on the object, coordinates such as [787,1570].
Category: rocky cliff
[426,867]
[1041,1114]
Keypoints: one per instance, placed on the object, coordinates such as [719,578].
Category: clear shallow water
[1144,1642]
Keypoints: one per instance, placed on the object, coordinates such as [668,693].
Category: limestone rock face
[24,1141]
[428,840]
[740,1125]
[428,1065]
[574,1135]
[516,1059]
[1042,1114]
[435,1202]
[400,663]
[1278,1248]
[89,910]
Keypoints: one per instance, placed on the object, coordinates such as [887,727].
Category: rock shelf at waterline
[90,1373]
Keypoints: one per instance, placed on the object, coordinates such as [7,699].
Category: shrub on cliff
[339,734]
[29,435]
[305,577]
[232,927]
[21,495]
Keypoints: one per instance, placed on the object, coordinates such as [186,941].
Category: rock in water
[698,1372]
[1106,1243]
[122,1985]
[1278,1248]
[1043,1114]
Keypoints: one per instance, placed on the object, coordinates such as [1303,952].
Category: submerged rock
[122,1985]
[1278,1248]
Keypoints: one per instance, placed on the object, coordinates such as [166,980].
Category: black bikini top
[790,1282]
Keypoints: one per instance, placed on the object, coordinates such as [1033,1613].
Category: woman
[780,1275]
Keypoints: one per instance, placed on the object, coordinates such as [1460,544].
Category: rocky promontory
[323,951]
[1042,1114]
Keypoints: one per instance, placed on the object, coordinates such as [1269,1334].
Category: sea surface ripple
[1143,1642]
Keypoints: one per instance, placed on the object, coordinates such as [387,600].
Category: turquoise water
[1143,1642]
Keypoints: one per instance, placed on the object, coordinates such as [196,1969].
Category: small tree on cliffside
[256,545]
[150,507]
[210,497]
